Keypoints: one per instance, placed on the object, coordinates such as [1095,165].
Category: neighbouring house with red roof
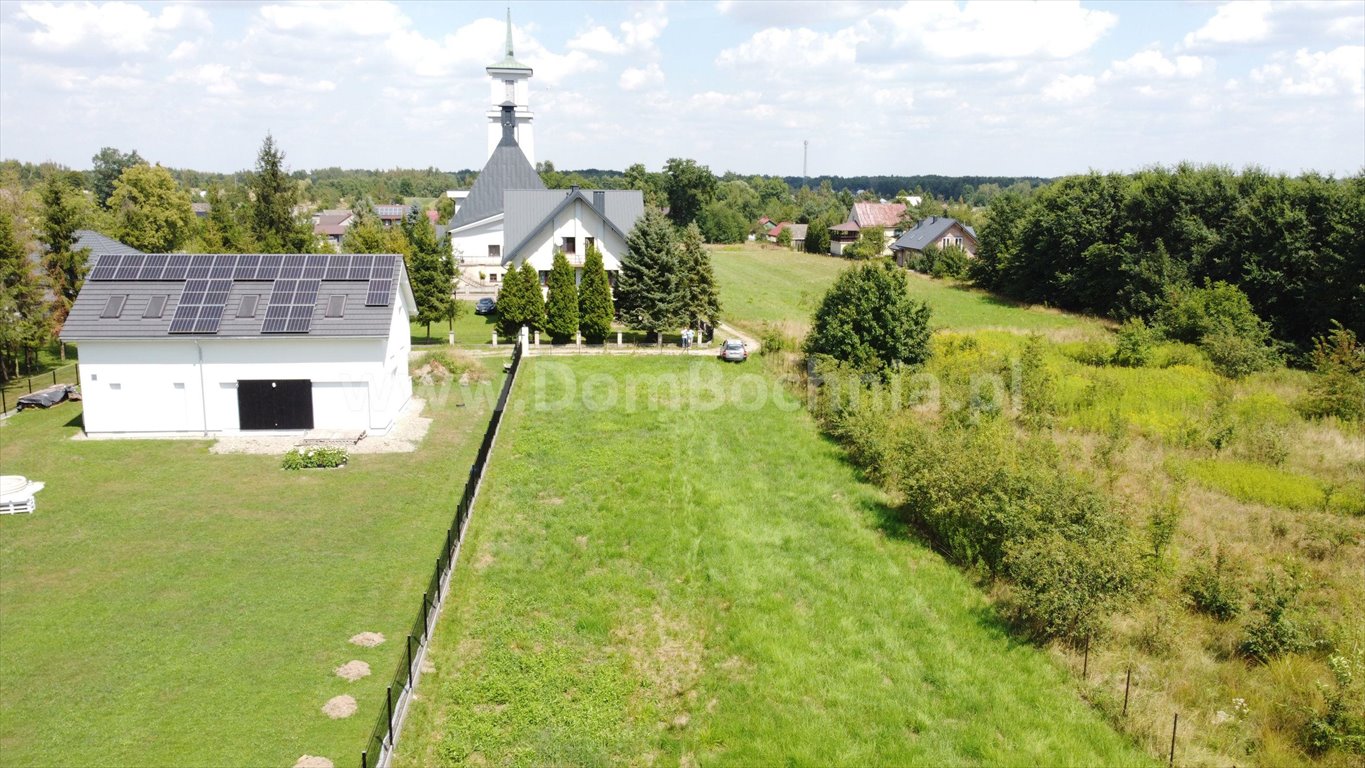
[798,233]
[864,215]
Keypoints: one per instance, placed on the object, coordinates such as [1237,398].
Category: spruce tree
[65,266]
[595,311]
[273,197]
[701,303]
[21,301]
[431,272]
[649,294]
[561,308]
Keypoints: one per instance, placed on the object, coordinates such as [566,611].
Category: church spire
[509,34]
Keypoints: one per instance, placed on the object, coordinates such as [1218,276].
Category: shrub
[1341,724]
[1037,386]
[868,320]
[1273,632]
[1338,386]
[773,339]
[1236,356]
[1189,314]
[1092,352]
[1134,345]
[315,458]
[1213,588]
[1176,353]
[1068,584]
[1263,442]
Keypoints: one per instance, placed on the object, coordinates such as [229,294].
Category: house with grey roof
[940,231]
[541,222]
[211,344]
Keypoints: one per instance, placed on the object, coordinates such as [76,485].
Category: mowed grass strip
[170,607]
[772,285]
[714,585]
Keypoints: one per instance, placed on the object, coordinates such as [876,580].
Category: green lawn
[651,584]
[170,607]
[770,285]
[470,329]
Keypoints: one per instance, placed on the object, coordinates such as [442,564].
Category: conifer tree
[274,196]
[511,303]
[648,291]
[21,302]
[595,311]
[561,308]
[431,272]
[701,303]
[535,300]
[65,266]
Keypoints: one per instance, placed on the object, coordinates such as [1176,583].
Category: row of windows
[567,244]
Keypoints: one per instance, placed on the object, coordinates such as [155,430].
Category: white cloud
[1316,73]
[1153,64]
[334,19]
[1065,89]
[1239,21]
[115,26]
[783,51]
[185,50]
[637,34]
[988,29]
[635,78]
[216,79]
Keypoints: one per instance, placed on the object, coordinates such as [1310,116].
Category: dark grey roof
[506,169]
[530,211]
[97,243]
[927,231]
[85,322]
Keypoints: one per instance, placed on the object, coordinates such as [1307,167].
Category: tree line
[142,205]
[665,282]
[1123,245]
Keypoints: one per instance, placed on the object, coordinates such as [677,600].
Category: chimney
[599,201]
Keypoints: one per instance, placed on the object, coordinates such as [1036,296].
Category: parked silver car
[733,351]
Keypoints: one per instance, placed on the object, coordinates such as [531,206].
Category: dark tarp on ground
[46,398]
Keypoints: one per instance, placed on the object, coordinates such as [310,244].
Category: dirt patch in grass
[353,670]
[338,707]
[313,761]
[367,639]
[666,651]
[484,560]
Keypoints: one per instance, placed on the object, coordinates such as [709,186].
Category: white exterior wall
[161,386]
[579,220]
[470,246]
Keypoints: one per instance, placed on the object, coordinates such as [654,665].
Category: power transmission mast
[805,153]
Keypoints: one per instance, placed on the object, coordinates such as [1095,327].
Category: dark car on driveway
[485,306]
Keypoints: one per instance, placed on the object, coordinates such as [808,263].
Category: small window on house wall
[588,243]
[492,277]
[495,251]
[570,246]
[544,277]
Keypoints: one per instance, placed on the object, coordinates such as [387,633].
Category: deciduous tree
[868,320]
[689,188]
[151,212]
[109,164]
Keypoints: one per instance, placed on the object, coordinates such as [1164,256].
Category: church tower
[511,83]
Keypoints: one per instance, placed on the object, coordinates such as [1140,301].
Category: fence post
[1085,664]
[388,696]
[1128,681]
[438,579]
[364,762]
[426,612]
[54,377]
[1174,724]
[410,660]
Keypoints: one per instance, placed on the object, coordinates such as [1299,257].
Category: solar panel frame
[153,267]
[292,267]
[106,266]
[383,267]
[269,268]
[201,267]
[378,293]
[176,267]
[184,319]
[315,266]
[338,265]
[128,270]
[361,265]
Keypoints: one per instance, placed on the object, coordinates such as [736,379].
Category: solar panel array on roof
[201,306]
[209,277]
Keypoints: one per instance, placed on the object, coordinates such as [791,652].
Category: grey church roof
[529,211]
[358,319]
[97,243]
[507,169]
[927,231]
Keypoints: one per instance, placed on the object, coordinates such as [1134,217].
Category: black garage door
[285,404]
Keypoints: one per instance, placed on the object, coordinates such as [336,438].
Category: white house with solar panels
[230,343]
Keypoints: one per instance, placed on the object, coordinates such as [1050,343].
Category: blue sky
[1012,88]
